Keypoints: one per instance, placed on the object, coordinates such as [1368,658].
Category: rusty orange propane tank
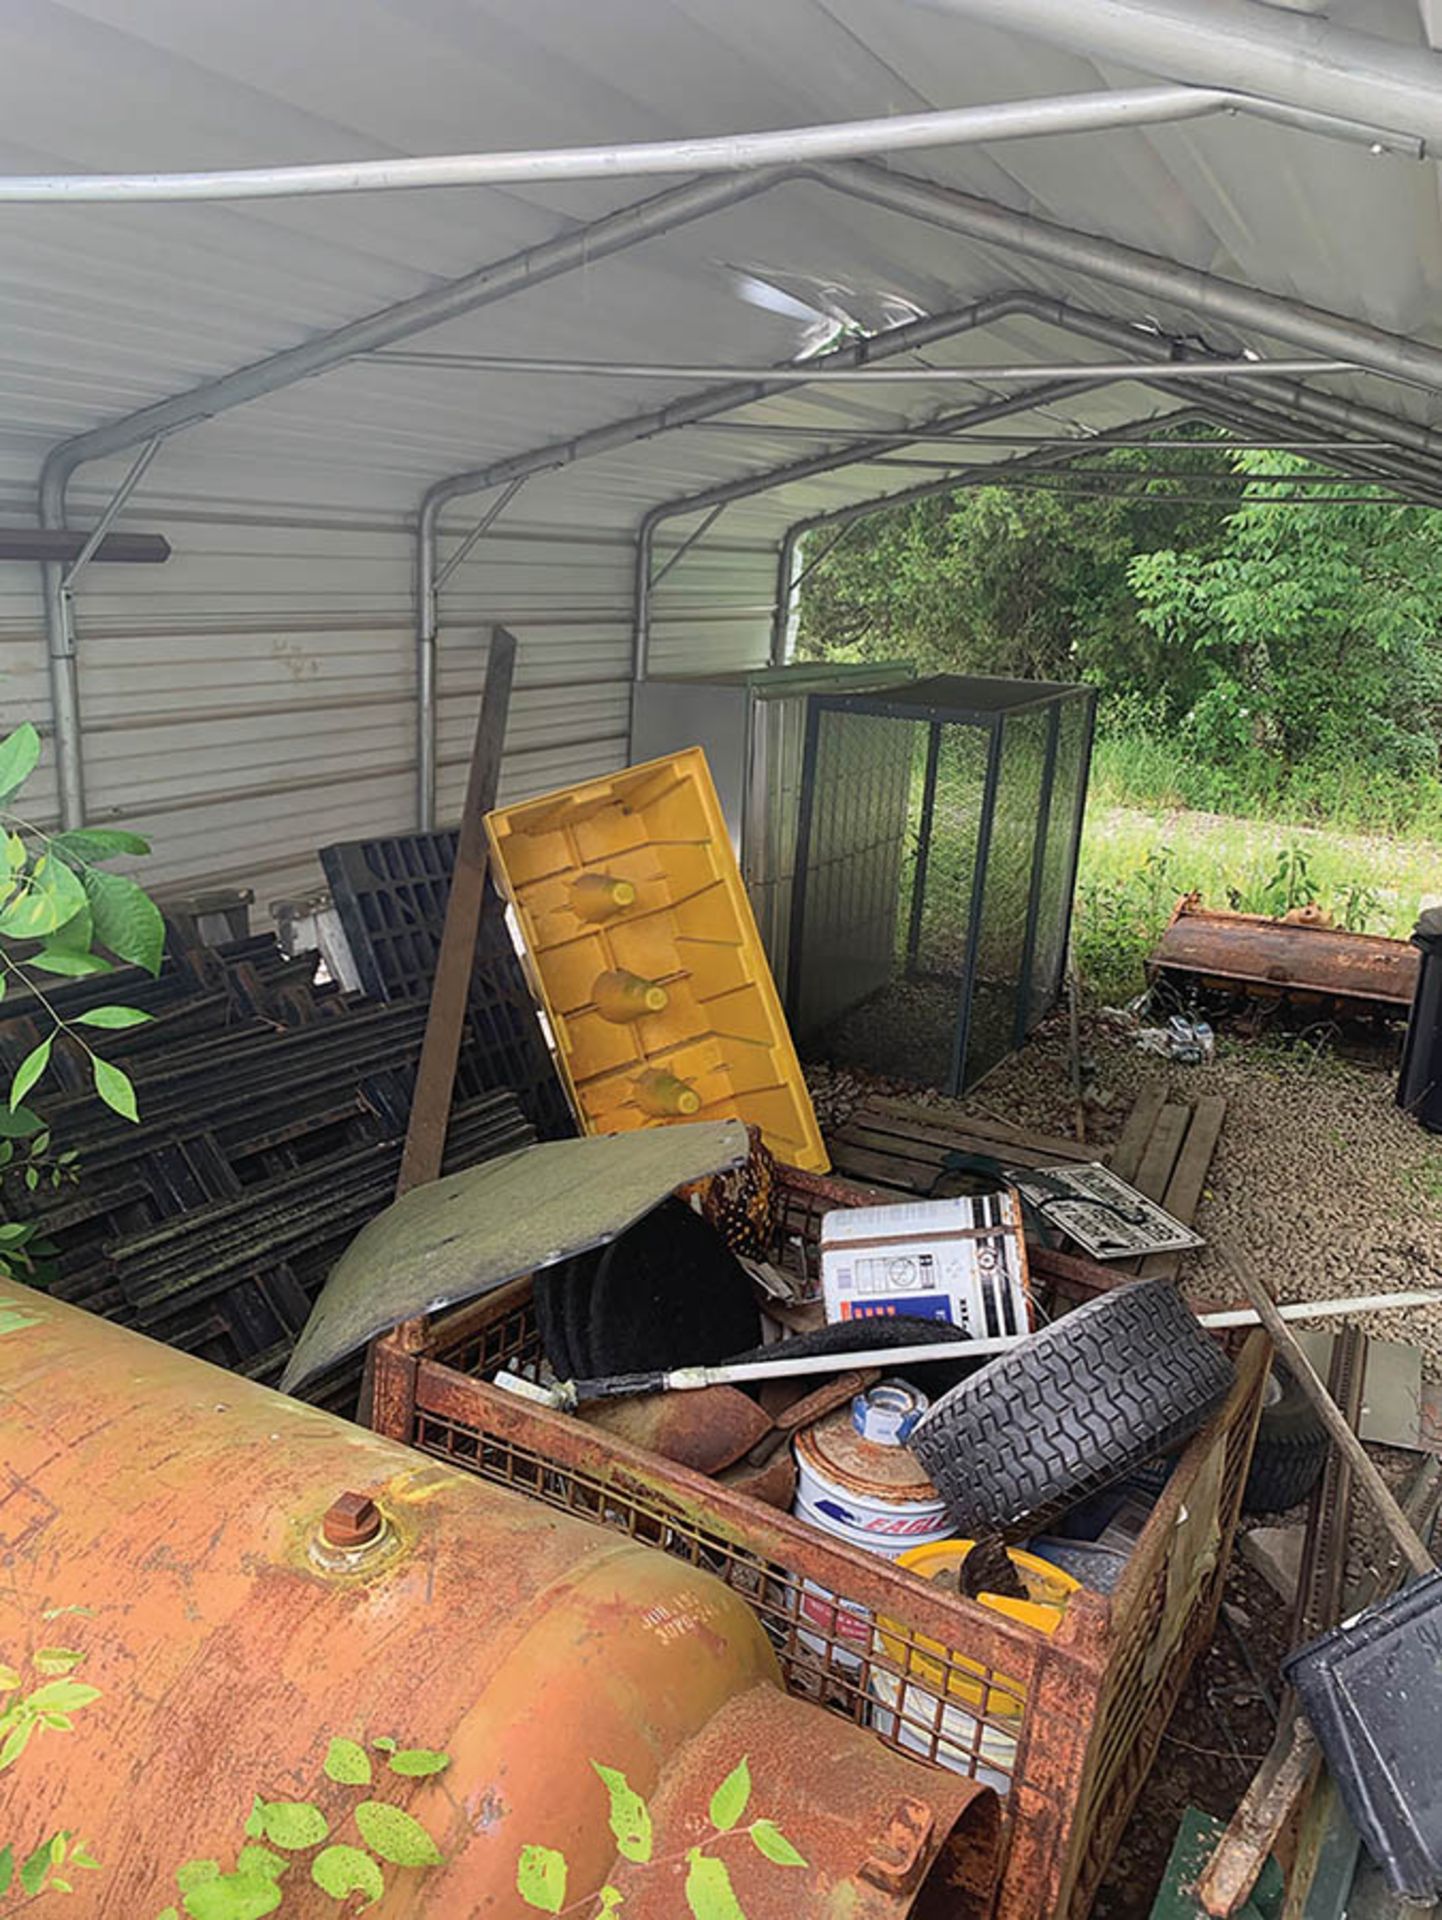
[254,1659]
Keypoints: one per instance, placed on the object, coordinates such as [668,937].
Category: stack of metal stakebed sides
[272,1113]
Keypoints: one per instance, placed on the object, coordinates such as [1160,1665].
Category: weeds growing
[1135,866]
[1140,766]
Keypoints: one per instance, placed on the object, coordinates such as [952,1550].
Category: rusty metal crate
[1065,1726]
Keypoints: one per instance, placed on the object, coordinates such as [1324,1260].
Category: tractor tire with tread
[1287,1460]
[1081,1405]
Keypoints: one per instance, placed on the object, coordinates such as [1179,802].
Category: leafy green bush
[62,914]
[1256,653]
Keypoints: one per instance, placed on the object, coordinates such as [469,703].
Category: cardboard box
[962,1260]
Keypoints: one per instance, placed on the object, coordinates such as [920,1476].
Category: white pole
[685,1379]
[726,153]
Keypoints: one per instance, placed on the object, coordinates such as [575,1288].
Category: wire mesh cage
[937,854]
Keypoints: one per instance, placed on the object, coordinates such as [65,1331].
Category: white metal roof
[103,309]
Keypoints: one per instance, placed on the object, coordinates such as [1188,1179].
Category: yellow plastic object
[1048,1590]
[629,882]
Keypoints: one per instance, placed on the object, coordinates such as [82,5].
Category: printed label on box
[960,1260]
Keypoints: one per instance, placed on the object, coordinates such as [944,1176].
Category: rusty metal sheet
[1278,958]
[873,1854]
[443,1244]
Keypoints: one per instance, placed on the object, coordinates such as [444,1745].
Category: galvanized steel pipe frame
[1055,313]
[1309,63]
[1140,272]
[1148,275]
[1390,354]
[725,153]
[788,572]
[606,439]
[1371,464]
[718,154]
[613,233]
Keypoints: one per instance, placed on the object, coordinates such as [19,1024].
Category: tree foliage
[990,580]
[61,914]
[1309,633]
[1261,632]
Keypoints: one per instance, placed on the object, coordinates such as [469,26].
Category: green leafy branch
[50,1698]
[542,1872]
[391,1837]
[46,1870]
[61,914]
[48,1706]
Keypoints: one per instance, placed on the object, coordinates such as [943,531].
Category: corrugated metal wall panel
[567,598]
[713,610]
[253,698]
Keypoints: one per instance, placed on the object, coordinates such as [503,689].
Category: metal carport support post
[60,582]
[429,581]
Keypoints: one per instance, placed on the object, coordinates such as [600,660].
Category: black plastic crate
[391,895]
[1372,1690]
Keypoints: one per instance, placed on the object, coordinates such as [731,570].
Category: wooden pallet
[898,1143]
[1165,1150]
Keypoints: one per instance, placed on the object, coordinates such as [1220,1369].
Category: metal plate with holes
[446,1243]
[1105,1215]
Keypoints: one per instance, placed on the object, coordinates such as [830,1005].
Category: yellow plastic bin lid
[643,949]
[1048,1590]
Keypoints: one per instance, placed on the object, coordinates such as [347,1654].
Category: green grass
[1134,864]
[1139,767]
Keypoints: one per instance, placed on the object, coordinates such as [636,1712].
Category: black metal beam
[58,544]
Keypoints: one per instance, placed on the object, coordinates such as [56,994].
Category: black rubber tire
[1290,1453]
[1287,1460]
[1079,1406]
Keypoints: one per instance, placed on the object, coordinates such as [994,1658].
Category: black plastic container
[1372,1691]
[1419,1087]
[391,895]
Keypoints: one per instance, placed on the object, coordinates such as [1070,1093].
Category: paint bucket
[856,1481]
[947,1670]
[943,1734]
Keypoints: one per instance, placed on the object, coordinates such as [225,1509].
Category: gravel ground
[1317,1172]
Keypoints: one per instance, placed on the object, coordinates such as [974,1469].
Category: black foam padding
[575,1295]
[669,1293]
[546,1291]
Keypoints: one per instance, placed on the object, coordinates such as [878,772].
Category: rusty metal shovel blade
[706,1431]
